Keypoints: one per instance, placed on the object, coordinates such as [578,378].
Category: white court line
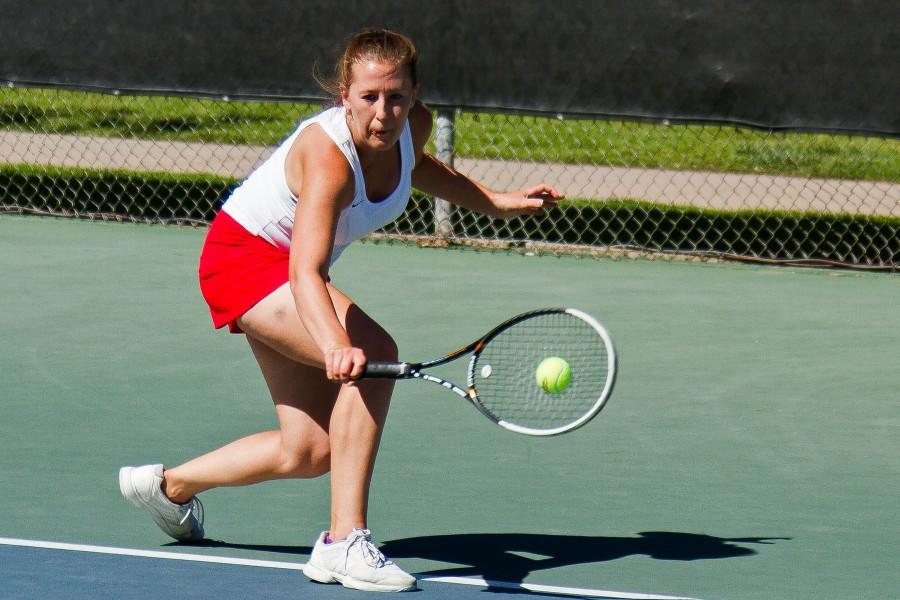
[270,564]
[551,589]
[151,554]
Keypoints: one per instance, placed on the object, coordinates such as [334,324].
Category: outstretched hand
[531,201]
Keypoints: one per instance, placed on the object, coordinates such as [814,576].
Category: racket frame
[406,370]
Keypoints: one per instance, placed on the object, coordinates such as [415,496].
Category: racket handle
[387,370]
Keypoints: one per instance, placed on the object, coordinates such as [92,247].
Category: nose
[381,108]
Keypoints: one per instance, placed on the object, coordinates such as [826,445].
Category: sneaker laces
[372,555]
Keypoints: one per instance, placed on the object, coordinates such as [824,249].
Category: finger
[335,364]
[329,365]
[358,367]
[346,366]
[353,364]
[540,189]
[545,191]
[548,206]
[534,192]
[338,367]
[540,205]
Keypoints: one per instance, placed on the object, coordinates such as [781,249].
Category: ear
[345,96]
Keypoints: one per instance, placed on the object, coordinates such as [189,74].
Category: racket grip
[387,370]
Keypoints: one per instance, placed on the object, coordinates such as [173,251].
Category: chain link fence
[633,188]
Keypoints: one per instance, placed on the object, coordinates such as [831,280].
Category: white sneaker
[141,487]
[356,563]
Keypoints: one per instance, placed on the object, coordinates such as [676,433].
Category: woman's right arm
[321,177]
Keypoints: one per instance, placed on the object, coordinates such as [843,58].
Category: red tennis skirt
[237,270]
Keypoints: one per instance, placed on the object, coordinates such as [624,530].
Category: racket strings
[504,372]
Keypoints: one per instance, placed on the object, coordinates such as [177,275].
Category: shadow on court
[512,557]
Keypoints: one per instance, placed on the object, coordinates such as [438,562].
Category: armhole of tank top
[357,173]
[284,176]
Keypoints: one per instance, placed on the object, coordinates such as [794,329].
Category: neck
[368,158]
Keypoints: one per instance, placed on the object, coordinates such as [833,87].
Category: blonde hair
[379,45]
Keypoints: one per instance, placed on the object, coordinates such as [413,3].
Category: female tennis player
[264,272]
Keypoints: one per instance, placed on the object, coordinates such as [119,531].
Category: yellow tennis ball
[553,374]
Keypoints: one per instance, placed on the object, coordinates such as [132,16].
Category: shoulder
[314,141]
[420,125]
[315,148]
[318,162]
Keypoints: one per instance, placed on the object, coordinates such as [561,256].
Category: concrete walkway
[686,188]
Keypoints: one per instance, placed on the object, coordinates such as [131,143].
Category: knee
[318,462]
[311,461]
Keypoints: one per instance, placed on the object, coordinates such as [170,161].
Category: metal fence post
[444,139]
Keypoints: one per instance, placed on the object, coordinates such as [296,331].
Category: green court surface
[751,449]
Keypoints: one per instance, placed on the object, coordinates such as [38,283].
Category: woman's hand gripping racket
[543,372]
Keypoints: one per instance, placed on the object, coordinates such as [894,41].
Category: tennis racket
[501,376]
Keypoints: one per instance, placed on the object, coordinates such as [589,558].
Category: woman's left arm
[434,177]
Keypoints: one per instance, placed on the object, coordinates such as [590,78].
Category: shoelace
[194,508]
[373,557]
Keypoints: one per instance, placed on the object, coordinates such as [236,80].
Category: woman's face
[378,101]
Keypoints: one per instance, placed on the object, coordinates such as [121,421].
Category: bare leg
[321,424]
[356,426]
[298,449]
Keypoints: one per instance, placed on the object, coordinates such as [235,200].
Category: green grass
[145,196]
[863,240]
[479,135]
[149,117]
[683,147]
[762,234]
[646,205]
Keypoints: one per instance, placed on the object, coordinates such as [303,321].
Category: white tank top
[264,205]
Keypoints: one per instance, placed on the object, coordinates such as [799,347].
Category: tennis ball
[553,374]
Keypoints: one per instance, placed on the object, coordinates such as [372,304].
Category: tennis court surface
[751,449]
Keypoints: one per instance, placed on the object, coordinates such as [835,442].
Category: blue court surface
[70,572]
